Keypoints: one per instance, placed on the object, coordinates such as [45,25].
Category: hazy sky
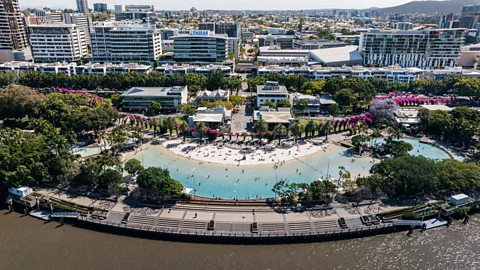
[225,4]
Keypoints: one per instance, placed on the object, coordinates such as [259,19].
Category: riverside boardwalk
[253,221]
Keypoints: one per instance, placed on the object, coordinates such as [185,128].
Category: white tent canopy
[186,190]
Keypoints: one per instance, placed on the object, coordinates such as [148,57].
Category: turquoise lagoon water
[228,181]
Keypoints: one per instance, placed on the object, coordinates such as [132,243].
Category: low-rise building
[284,41]
[140,98]
[276,31]
[312,44]
[459,199]
[406,117]
[193,69]
[391,74]
[73,68]
[337,56]
[470,57]
[216,118]
[110,68]
[211,96]
[316,104]
[272,91]
[328,56]
[274,116]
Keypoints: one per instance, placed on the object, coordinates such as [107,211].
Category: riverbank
[28,243]
[228,223]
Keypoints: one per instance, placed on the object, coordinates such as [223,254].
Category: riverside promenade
[260,223]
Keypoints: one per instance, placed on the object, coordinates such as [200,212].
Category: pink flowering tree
[382,111]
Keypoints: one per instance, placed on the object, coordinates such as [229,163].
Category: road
[240,120]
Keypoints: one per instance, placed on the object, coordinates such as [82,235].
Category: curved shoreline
[232,157]
[233,238]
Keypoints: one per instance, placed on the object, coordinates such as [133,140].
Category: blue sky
[226,4]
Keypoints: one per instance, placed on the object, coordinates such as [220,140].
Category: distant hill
[454,6]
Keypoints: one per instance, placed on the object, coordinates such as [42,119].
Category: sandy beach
[228,156]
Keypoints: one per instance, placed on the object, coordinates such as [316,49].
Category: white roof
[208,117]
[459,196]
[276,117]
[436,107]
[152,91]
[339,54]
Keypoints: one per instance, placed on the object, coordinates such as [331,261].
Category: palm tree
[184,128]
[261,126]
[296,129]
[310,128]
[118,137]
[201,129]
[244,135]
[395,133]
[376,134]
[156,123]
[102,136]
[279,131]
[170,124]
[326,128]
[137,134]
[362,128]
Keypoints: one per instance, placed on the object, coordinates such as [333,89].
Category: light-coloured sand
[209,153]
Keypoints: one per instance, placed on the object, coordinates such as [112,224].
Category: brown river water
[28,243]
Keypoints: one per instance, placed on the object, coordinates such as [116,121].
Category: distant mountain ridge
[452,6]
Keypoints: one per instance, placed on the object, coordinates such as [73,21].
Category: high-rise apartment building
[448,21]
[83,21]
[135,12]
[100,7]
[57,42]
[139,8]
[82,6]
[13,38]
[470,16]
[428,49]
[200,45]
[285,42]
[119,8]
[126,43]
[230,29]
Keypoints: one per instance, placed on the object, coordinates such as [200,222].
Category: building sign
[201,32]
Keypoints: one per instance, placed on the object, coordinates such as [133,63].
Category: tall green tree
[279,130]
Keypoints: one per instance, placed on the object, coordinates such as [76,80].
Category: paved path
[232,219]
[240,120]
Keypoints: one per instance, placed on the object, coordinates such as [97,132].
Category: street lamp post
[193,179]
[276,181]
[328,169]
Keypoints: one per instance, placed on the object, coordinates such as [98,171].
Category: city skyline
[230,5]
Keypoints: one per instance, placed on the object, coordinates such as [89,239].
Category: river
[28,243]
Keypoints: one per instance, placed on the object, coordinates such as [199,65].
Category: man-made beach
[210,153]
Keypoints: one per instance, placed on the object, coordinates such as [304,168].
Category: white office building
[271,91]
[427,49]
[391,74]
[200,45]
[57,42]
[276,31]
[205,70]
[140,98]
[126,43]
[135,12]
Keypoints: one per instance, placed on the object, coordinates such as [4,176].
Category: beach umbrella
[186,190]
